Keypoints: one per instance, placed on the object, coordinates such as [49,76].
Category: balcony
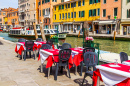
[47,16]
[21,11]
[21,20]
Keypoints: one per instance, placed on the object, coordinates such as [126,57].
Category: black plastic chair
[46,46]
[123,56]
[89,49]
[29,47]
[64,56]
[90,60]
[50,42]
[66,46]
[21,40]
[39,40]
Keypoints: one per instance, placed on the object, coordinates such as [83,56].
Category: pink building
[108,11]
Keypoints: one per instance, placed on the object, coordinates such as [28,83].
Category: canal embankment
[103,36]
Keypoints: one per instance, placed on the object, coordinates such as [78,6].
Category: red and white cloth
[20,46]
[112,74]
[51,56]
[126,62]
[77,54]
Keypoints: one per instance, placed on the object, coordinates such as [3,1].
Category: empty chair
[39,40]
[22,40]
[123,56]
[46,46]
[29,47]
[64,56]
[66,46]
[50,42]
[89,49]
[90,60]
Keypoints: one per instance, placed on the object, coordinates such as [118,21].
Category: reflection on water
[5,36]
[107,45]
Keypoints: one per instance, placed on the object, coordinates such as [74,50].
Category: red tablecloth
[22,47]
[78,57]
[123,68]
[55,58]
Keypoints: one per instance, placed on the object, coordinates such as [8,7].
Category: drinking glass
[116,61]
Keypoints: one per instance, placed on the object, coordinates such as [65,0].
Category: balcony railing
[47,16]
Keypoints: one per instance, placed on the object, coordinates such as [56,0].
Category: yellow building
[71,15]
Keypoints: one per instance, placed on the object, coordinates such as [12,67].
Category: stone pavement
[15,72]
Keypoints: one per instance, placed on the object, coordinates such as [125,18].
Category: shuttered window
[68,15]
[43,12]
[74,14]
[90,13]
[115,11]
[104,12]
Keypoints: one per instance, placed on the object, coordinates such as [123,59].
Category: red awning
[16,28]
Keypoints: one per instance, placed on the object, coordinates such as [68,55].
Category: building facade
[12,17]
[46,12]
[110,16]
[70,16]
[125,18]
[28,12]
[3,13]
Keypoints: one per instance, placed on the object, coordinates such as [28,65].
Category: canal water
[106,45]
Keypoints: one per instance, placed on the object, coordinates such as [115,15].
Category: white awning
[68,23]
[107,22]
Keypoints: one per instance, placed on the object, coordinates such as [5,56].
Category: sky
[8,3]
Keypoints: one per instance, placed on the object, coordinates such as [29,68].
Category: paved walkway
[15,72]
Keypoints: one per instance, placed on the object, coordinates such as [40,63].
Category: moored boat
[29,33]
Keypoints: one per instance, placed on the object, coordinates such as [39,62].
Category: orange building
[46,12]
[12,15]
[110,16]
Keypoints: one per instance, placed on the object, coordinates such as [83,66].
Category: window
[40,12]
[68,5]
[83,3]
[62,0]
[104,12]
[79,13]
[82,14]
[42,1]
[68,15]
[104,1]
[59,16]
[71,14]
[90,13]
[39,3]
[62,6]
[128,1]
[98,12]
[74,14]
[54,0]
[65,15]
[90,2]
[116,0]
[115,11]
[94,12]
[46,1]
[128,13]
[62,15]
[79,3]
[72,5]
[55,16]
[43,12]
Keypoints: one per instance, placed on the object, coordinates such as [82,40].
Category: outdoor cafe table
[126,62]
[51,56]
[20,46]
[112,74]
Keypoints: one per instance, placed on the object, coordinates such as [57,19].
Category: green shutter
[96,1]
[83,2]
[128,13]
[79,14]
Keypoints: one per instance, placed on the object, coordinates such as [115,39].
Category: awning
[107,22]
[68,23]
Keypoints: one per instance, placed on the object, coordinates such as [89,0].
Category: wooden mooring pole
[35,31]
[42,32]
